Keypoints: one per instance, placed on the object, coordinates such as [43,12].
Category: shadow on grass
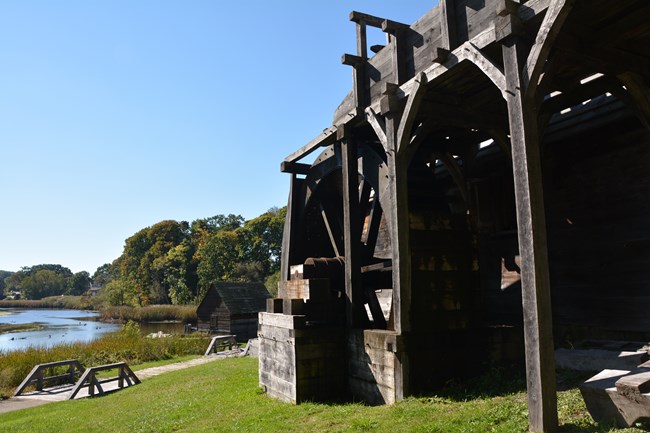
[570,379]
[502,380]
[495,381]
[577,428]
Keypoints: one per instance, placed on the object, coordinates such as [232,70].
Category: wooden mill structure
[485,183]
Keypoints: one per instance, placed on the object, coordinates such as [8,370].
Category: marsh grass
[54,302]
[126,345]
[19,327]
[150,313]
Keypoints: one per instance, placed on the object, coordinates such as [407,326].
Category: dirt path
[34,399]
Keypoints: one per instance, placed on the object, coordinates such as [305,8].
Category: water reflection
[59,326]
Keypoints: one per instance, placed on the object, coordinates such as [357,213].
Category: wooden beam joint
[441,55]
[508,26]
[393,27]
[294,167]
[507,7]
[352,60]
[371,20]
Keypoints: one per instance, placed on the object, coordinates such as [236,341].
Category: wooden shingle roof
[239,298]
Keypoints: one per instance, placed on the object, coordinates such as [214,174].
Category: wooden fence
[90,380]
[38,376]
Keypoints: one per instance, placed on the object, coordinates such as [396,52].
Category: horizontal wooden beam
[383,266]
[325,139]
[294,167]
[352,60]
[371,20]
[393,27]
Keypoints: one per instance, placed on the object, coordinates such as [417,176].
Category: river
[59,326]
[65,326]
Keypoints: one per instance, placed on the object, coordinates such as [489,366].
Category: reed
[150,313]
[55,302]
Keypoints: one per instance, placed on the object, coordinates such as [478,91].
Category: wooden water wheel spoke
[328,226]
[375,309]
[370,231]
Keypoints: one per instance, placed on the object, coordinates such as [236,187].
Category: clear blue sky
[115,115]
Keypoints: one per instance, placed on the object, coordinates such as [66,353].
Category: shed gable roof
[239,298]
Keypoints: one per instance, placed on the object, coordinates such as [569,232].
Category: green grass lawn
[223,396]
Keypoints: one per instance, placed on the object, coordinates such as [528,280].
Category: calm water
[60,326]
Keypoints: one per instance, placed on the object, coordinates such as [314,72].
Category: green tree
[80,283]
[140,262]
[117,292]
[261,240]
[43,283]
[13,283]
[57,269]
[202,229]
[174,267]
[104,274]
[219,257]
[3,276]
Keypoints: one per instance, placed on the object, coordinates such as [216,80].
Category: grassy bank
[126,345]
[224,397]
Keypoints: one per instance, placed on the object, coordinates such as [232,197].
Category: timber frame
[518,75]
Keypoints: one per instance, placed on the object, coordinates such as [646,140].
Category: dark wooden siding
[598,193]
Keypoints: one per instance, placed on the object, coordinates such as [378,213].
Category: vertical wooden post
[71,373]
[529,195]
[120,377]
[401,258]
[39,379]
[448,24]
[396,32]
[362,40]
[91,383]
[351,229]
[399,228]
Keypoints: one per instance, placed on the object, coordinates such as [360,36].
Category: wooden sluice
[481,195]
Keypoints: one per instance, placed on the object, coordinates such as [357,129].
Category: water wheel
[320,232]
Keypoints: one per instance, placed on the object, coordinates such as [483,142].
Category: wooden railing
[37,376]
[90,380]
[221,342]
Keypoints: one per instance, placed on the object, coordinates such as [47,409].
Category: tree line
[41,281]
[171,262]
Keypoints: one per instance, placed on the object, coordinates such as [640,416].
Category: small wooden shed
[232,308]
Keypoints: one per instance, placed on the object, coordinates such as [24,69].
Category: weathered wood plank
[282,320]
